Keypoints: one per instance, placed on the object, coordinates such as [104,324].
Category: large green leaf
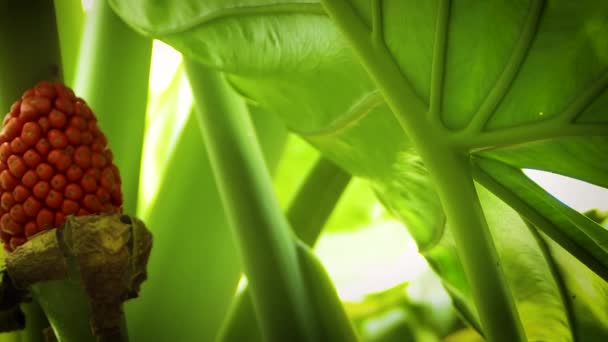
[521,83]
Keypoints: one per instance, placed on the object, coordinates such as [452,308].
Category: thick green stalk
[29,47]
[112,76]
[29,52]
[307,214]
[70,20]
[263,236]
[450,171]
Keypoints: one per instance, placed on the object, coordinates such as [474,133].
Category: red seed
[97,146]
[17,213]
[13,128]
[7,201]
[59,218]
[82,212]
[8,225]
[29,93]
[31,158]
[18,146]
[16,166]
[41,189]
[42,104]
[7,182]
[91,203]
[82,157]
[107,179]
[3,166]
[53,157]
[5,151]
[57,139]
[58,182]
[98,160]
[74,173]
[103,195]
[63,91]
[88,184]
[45,218]
[29,178]
[64,105]
[45,124]
[109,156]
[69,207]
[16,241]
[73,192]
[57,119]
[73,135]
[95,173]
[86,138]
[46,89]
[31,133]
[21,193]
[31,206]
[54,199]
[64,162]
[78,122]
[30,228]
[15,109]
[28,111]
[43,147]
[44,171]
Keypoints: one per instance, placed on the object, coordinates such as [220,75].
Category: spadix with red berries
[54,162]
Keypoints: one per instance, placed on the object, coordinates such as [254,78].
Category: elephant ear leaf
[512,84]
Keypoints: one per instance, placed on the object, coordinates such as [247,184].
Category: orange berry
[17,213]
[73,192]
[31,133]
[44,171]
[74,173]
[30,228]
[57,138]
[7,201]
[7,182]
[31,158]
[16,166]
[31,206]
[54,199]
[5,151]
[91,203]
[29,178]
[41,189]
[45,218]
[21,193]
[18,146]
[57,119]
[58,182]
[43,147]
[69,207]
[88,184]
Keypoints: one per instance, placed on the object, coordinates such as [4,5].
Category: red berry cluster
[54,162]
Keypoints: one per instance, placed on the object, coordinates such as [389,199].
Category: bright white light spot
[165,61]
[577,194]
[370,260]
[87,4]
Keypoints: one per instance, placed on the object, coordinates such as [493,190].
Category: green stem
[450,170]
[112,76]
[307,214]
[29,47]
[70,20]
[263,236]
[29,52]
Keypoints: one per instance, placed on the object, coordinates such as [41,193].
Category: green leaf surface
[413,90]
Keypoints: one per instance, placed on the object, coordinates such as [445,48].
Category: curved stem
[262,233]
[307,214]
[450,170]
